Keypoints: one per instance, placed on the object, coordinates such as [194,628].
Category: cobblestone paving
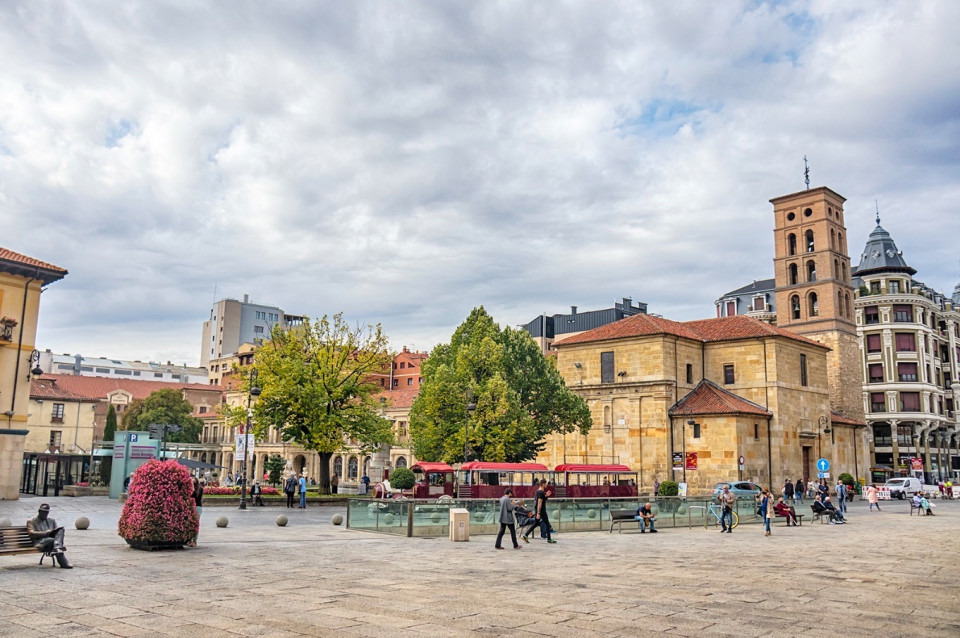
[884,574]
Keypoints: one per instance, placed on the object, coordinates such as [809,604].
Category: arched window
[792,242]
[366,465]
[203,457]
[846,298]
[809,237]
[352,468]
[840,304]
[837,273]
[338,466]
[840,242]
[795,306]
[794,276]
[814,306]
[811,270]
[606,416]
[833,238]
[401,461]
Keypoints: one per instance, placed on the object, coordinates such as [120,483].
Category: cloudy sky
[403,162]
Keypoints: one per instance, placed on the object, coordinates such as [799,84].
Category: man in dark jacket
[47,536]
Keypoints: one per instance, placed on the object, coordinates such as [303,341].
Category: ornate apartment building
[896,370]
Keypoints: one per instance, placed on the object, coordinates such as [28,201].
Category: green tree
[520,397]
[317,389]
[169,407]
[402,478]
[109,430]
[274,467]
[129,419]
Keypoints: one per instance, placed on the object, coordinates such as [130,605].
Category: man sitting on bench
[645,515]
[47,537]
[826,508]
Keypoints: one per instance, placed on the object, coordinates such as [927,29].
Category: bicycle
[714,509]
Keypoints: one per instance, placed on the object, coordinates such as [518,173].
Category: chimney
[246,298]
[573,310]
[76,365]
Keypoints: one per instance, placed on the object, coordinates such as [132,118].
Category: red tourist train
[481,479]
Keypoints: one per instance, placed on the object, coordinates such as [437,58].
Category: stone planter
[101,491]
[76,490]
[153,546]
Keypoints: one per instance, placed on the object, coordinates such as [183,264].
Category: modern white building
[234,322]
[81,366]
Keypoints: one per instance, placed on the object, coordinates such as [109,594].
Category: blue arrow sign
[823,465]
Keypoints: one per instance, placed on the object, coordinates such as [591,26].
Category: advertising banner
[916,463]
[678,461]
[691,460]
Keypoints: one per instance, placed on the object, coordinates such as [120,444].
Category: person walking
[811,489]
[334,482]
[873,496]
[788,491]
[841,490]
[766,510]
[303,491]
[198,503]
[728,500]
[798,492]
[540,514]
[290,488]
[507,520]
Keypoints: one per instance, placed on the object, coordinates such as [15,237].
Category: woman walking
[766,509]
[873,495]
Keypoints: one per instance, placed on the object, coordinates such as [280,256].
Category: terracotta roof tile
[9,255]
[639,325]
[836,417]
[100,387]
[704,330]
[709,398]
[47,389]
[399,399]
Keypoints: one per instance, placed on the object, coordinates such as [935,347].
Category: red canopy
[504,467]
[608,469]
[427,466]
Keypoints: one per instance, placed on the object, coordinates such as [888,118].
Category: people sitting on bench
[925,506]
[646,516]
[825,508]
[787,511]
[47,536]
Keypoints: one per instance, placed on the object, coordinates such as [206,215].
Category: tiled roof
[742,327]
[17,263]
[47,389]
[639,325]
[100,387]
[398,399]
[836,417]
[709,398]
[704,330]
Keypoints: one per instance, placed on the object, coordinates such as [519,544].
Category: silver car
[741,489]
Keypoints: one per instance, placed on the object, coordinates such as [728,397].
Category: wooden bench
[619,517]
[823,517]
[799,519]
[16,540]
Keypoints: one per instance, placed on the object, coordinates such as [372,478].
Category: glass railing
[431,517]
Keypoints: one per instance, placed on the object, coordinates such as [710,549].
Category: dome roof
[881,254]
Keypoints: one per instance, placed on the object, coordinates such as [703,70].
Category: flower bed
[159,511]
[235,491]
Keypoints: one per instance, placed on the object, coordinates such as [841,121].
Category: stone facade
[772,420]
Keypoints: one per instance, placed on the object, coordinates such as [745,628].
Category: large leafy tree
[168,407]
[520,397]
[317,390]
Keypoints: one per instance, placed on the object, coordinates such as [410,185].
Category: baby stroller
[525,519]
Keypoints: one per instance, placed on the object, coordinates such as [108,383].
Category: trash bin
[459,524]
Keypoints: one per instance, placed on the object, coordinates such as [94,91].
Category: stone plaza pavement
[884,574]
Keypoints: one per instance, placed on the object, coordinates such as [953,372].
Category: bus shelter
[45,474]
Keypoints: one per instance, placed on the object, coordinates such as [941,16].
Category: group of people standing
[292,486]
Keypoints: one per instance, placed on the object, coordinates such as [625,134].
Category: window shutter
[606,367]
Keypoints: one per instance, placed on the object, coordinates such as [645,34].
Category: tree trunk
[323,481]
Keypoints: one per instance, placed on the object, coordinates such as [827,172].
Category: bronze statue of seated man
[47,536]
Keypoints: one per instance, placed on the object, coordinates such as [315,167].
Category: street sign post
[823,465]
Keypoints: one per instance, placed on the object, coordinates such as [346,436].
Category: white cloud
[404,162]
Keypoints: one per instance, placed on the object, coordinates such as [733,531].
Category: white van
[903,487]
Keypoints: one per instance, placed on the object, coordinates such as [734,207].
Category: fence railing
[431,517]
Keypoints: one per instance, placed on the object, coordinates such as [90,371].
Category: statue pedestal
[380,465]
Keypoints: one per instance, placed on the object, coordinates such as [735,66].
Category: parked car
[903,487]
[741,489]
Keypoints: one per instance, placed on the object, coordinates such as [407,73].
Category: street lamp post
[252,391]
[821,425]
[471,407]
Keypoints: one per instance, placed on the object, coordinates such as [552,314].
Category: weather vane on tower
[806,172]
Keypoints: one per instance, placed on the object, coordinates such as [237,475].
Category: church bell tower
[813,286]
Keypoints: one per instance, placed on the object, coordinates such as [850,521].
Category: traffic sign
[823,465]
[741,461]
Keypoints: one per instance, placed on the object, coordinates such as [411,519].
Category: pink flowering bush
[83,484]
[235,491]
[160,506]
